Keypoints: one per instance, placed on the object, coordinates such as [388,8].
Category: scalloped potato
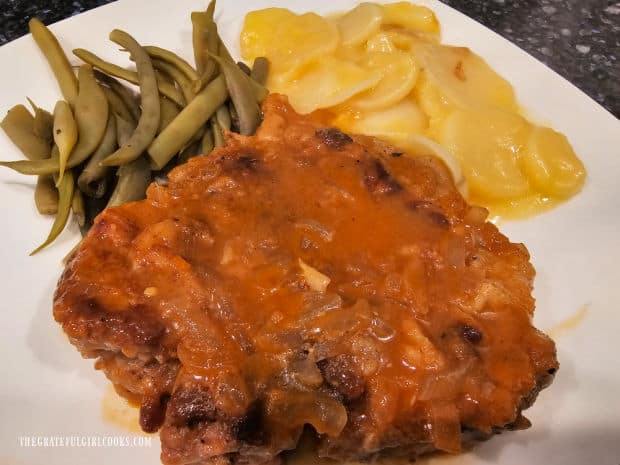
[462,78]
[380,70]
[332,82]
[551,164]
[414,18]
[357,25]
[393,124]
[486,143]
[287,39]
[399,73]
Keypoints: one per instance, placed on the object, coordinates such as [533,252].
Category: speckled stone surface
[580,39]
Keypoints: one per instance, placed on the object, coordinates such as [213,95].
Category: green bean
[131,76]
[128,96]
[124,130]
[207,143]
[55,56]
[218,134]
[198,135]
[180,131]
[205,41]
[46,193]
[184,84]
[242,96]
[35,167]
[222,50]
[169,111]
[43,123]
[77,207]
[65,133]
[222,116]
[65,198]
[245,68]
[163,77]
[46,196]
[234,117]
[91,115]
[173,59]
[213,44]
[199,42]
[213,37]
[18,124]
[117,105]
[133,179]
[201,23]
[211,9]
[211,70]
[190,151]
[92,180]
[20,117]
[260,91]
[149,119]
[260,70]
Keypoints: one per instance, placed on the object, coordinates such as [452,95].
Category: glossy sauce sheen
[423,329]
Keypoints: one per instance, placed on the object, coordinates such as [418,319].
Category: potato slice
[399,71]
[431,100]
[394,124]
[551,164]
[287,39]
[415,18]
[358,24]
[325,83]
[401,38]
[404,39]
[380,42]
[417,145]
[354,53]
[464,78]
[487,143]
[521,208]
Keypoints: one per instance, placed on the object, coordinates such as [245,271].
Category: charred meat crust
[153,411]
[333,137]
[378,180]
[190,406]
[92,328]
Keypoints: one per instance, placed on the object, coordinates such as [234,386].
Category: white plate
[47,389]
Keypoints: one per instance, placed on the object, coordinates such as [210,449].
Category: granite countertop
[579,39]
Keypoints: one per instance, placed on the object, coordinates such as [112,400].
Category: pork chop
[305,278]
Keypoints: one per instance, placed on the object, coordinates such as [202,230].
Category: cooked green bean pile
[103,144]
